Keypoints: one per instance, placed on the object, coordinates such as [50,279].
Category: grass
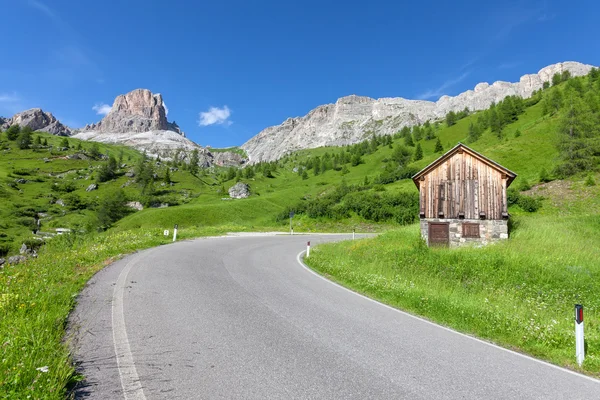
[234,149]
[519,293]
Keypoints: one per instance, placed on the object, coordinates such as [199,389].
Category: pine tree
[418,152]
[408,141]
[194,160]
[450,118]
[24,139]
[167,178]
[438,146]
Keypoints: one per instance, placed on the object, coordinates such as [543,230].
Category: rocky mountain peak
[137,111]
[39,120]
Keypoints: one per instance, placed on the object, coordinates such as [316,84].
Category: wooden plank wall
[464,184]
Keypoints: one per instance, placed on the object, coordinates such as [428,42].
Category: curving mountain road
[241,318]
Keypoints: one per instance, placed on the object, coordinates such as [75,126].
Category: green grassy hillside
[548,264]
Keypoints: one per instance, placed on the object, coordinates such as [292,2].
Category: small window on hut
[470,230]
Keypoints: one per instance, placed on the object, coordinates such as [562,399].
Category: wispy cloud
[441,90]
[43,8]
[101,108]
[9,97]
[509,65]
[166,108]
[512,18]
[215,116]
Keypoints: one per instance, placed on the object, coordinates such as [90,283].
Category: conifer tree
[418,152]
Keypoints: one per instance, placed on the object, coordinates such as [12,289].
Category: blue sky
[228,69]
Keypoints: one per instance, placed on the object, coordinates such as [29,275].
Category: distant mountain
[138,119]
[37,120]
[353,118]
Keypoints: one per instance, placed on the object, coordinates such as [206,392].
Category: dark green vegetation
[548,264]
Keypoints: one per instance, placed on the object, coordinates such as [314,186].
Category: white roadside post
[166,232]
[291,228]
[308,249]
[579,338]
[175,233]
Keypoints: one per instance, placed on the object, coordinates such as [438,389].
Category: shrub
[544,176]
[27,222]
[512,196]
[524,185]
[529,204]
[589,181]
[64,187]
[5,249]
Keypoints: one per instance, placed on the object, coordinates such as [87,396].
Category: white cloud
[101,108]
[166,108]
[215,116]
[442,89]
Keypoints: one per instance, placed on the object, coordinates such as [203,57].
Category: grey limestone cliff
[353,118]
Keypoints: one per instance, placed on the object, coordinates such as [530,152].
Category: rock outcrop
[239,191]
[38,120]
[354,118]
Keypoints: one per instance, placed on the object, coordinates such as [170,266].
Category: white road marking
[130,381]
[440,326]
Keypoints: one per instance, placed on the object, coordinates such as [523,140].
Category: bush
[27,222]
[111,209]
[524,185]
[12,133]
[74,202]
[512,196]
[529,204]
[544,176]
[5,249]
[589,181]
[64,187]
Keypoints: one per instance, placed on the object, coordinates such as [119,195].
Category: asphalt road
[241,318]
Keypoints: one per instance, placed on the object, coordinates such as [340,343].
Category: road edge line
[441,326]
[130,380]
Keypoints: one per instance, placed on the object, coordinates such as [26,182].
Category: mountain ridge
[353,118]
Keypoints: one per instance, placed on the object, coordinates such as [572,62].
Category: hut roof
[510,175]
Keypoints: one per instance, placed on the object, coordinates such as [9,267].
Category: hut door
[439,234]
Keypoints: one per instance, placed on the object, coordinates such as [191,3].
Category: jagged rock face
[227,159]
[38,120]
[137,111]
[4,125]
[353,118]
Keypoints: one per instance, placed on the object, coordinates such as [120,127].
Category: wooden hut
[463,199]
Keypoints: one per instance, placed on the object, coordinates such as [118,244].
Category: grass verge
[519,293]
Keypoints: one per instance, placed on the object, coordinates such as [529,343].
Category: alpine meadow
[111,199]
